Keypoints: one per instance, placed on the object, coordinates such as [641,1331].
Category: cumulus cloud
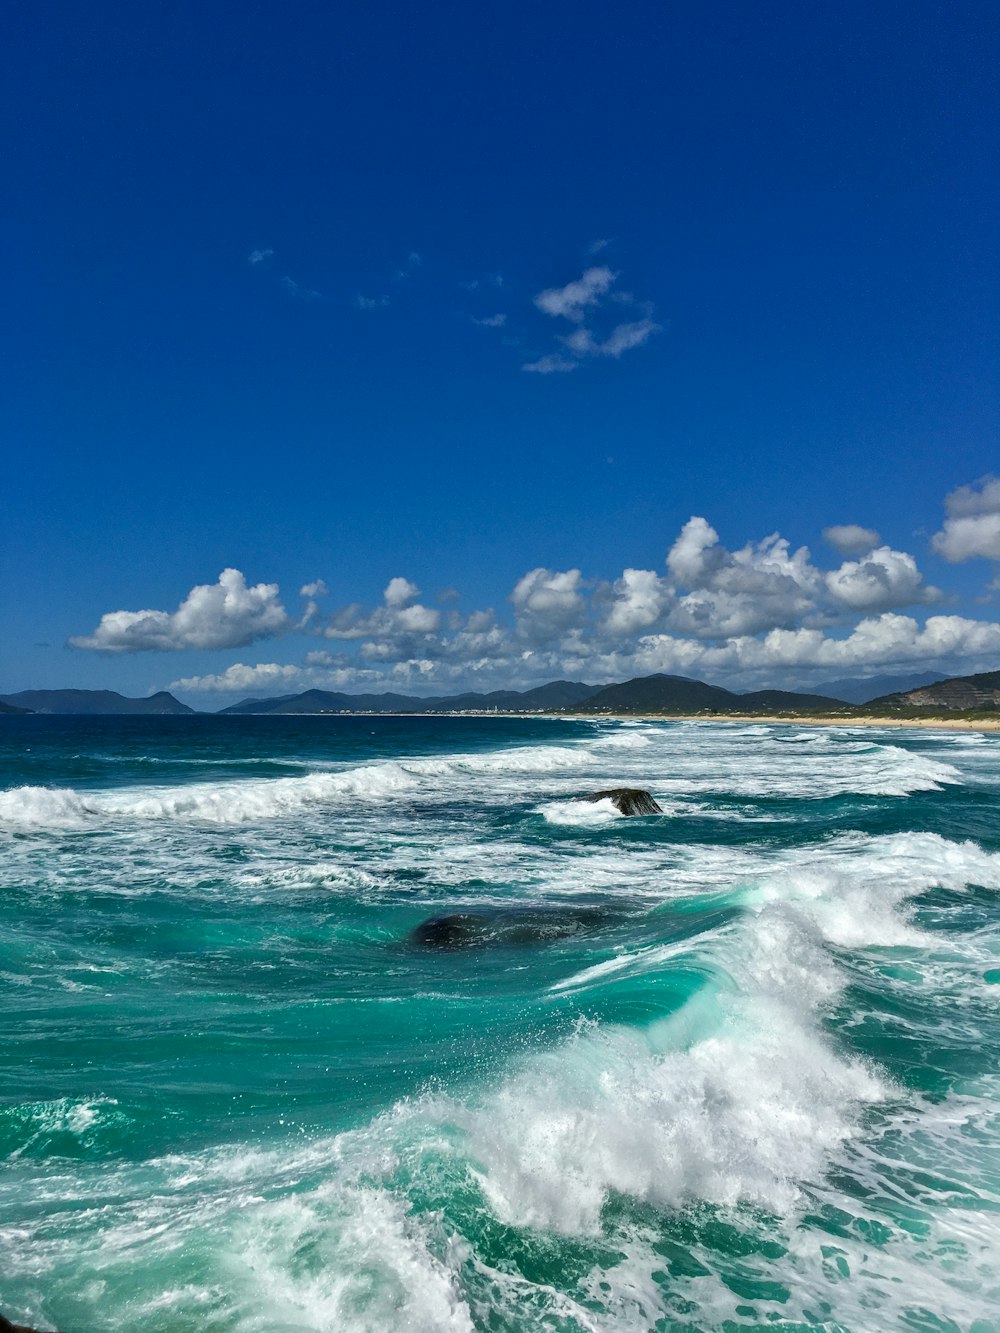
[570,302]
[227,614]
[635,602]
[762,613]
[851,539]
[392,628]
[256,257]
[784,655]
[762,585]
[399,592]
[883,579]
[972,529]
[547,604]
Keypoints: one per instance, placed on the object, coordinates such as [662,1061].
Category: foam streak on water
[731,1066]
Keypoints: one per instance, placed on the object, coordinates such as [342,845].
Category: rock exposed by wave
[629,800]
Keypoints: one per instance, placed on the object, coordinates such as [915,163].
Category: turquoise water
[734,1066]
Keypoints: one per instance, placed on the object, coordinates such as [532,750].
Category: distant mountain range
[655,694]
[95,702]
[680,694]
[877,687]
[557,694]
[960,692]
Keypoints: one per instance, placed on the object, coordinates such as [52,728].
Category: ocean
[734,1066]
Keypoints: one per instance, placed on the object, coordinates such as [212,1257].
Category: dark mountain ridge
[96,702]
[556,694]
[681,694]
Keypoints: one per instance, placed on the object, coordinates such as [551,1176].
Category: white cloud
[696,554]
[399,591]
[269,678]
[226,614]
[883,579]
[256,257]
[393,629]
[371,302]
[637,600]
[851,539]
[548,604]
[571,301]
[972,529]
[622,338]
[763,613]
[552,363]
[888,641]
[967,500]
[761,586]
[490,321]
[591,295]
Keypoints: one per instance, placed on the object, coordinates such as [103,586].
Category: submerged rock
[629,800]
[502,926]
[453,931]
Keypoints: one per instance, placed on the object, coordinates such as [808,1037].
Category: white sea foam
[249,801]
[624,740]
[851,889]
[41,807]
[684,761]
[325,874]
[585,814]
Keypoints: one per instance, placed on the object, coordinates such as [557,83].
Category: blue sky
[497,302]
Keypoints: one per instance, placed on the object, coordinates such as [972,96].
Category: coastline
[924,723]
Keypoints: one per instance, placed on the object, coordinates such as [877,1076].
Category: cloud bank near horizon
[761,611]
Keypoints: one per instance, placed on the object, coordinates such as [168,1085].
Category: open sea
[734,1066]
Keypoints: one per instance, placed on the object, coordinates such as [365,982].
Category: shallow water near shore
[731,1066]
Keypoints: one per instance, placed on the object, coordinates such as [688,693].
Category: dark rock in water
[445,932]
[503,926]
[629,800]
[7,1327]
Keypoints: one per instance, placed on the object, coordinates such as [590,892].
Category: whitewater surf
[733,1065]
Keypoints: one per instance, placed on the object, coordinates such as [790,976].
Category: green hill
[979,692]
